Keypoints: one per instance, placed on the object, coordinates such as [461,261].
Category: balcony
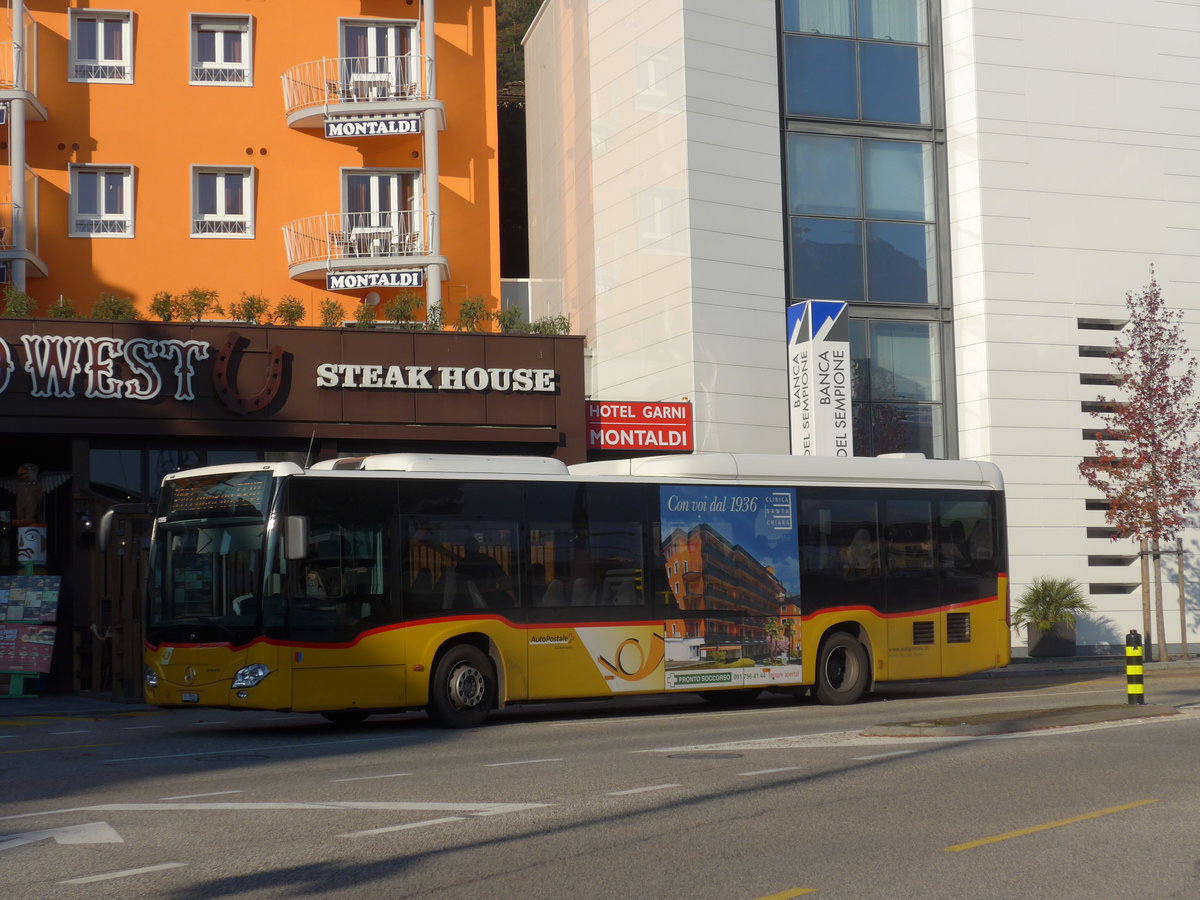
[21,58]
[369,242]
[35,266]
[359,88]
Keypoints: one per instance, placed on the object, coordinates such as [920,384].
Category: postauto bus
[462,584]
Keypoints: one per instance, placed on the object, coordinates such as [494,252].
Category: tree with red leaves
[1148,473]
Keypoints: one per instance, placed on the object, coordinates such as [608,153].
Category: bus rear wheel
[842,670]
[463,689]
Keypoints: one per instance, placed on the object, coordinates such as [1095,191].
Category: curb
[1032,720]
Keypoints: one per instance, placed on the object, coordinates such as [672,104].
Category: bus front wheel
[842,670]
[463,689]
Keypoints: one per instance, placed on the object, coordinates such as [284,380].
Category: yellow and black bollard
[1135,687]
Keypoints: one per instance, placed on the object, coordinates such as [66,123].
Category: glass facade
[863,175]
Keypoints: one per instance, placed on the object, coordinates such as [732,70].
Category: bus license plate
[189,697]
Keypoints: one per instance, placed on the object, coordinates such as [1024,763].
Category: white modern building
[981,184]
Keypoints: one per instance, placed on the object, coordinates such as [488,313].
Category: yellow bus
[463,584]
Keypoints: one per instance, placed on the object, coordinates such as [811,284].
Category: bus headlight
[249,676]
[149,676]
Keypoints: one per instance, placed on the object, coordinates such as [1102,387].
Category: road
[662,798]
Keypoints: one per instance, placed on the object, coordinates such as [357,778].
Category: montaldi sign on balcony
[336,127]
[624,425]
[355,281]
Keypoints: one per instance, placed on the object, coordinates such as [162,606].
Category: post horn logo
[647,661]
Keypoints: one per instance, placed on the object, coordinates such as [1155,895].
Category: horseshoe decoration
[227,358]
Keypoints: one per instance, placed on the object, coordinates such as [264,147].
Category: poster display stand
[28,611]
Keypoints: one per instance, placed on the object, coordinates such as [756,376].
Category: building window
[897,387]
[381,212]
[861,219]
[101,201]
[866,60]
[221,50]
[101,46]
[380,60]
[222,202]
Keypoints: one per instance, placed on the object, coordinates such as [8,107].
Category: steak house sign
[144,369]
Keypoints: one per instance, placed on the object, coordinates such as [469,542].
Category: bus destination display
[238,495]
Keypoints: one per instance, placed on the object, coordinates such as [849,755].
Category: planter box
[1058,641]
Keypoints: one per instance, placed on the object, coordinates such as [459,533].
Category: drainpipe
[16,146]
[429,139]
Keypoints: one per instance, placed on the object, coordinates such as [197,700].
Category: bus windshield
[207,559]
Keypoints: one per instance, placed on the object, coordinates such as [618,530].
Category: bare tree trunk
[1182,598]
[1147,645]
[1159,618]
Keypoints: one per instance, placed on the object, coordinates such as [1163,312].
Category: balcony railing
[30,252]
[357,80]
[367,239]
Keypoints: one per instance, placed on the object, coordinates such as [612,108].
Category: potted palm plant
[1049,610]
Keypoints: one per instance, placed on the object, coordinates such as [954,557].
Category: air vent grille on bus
[922,632]
[958,628]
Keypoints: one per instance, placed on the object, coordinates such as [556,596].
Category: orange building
[151,149]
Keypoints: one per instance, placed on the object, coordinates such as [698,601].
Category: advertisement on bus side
[731,556]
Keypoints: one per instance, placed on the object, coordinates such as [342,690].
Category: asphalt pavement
[97,705]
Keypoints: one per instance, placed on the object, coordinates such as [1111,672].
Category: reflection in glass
[901,263]
[116,474]
[823,175]
[820,77]
[818,16]
[895,87]
[898,180]
[892,20]
[827,256]
[905,361]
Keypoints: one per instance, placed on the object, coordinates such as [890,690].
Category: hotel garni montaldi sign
[111,370]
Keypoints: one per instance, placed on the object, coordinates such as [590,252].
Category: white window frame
[219,24]
[101,224]
[105,70]
[405,224]
[401,71]
[222,224]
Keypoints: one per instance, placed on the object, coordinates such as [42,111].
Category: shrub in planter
[1049,609]
[289,310]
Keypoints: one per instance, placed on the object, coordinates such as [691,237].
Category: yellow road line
[1021,832]
[52,749]
[789,894]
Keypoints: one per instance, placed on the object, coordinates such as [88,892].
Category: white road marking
[402,827]
[642,790]
[369,777]
[89,833]
[194,796]
[883,755]
[474,809]
[123,874]
[835,739]
[215,722]
[276,747]
[525,762]
[772,771]
[80,731]
[139,727]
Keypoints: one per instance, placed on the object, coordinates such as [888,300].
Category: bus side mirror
[296,537]
[104,531]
